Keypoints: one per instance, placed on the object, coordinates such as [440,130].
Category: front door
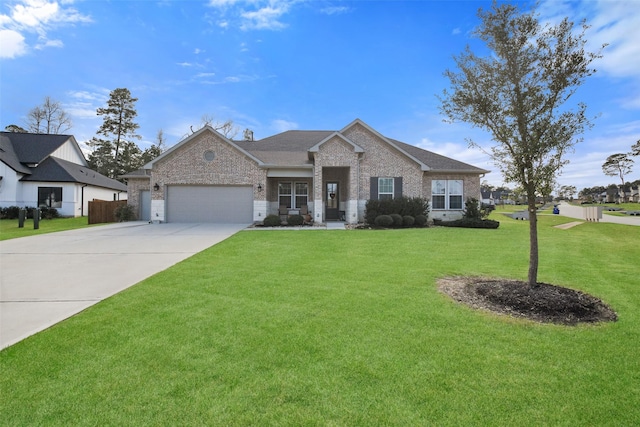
[332,202]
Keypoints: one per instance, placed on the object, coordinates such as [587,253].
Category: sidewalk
[572,211]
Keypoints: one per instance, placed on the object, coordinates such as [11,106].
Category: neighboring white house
[50,170]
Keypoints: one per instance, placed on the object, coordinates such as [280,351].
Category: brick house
[329,174]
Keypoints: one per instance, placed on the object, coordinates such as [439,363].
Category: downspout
[82,199]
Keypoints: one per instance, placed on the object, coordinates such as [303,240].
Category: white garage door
[203,203]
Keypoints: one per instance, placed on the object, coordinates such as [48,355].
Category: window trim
[386,193]
[447,194]
[293,194]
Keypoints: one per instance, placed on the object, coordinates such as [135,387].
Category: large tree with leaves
[49,118]
[114,152]
[520,92]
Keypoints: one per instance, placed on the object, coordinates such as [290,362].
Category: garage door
[224,204]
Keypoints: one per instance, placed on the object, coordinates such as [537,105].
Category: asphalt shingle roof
[57,170]
[32,148]
[291,148]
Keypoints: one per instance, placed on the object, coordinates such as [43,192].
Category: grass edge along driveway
[342,328]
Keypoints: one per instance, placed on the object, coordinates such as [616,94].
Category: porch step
[335,225]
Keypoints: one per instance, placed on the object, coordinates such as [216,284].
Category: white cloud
[456,31]
[280,125]
[266,18]
[12,44]
[252,14]
[49,43]
[35,17]
[615,23]
[335,10]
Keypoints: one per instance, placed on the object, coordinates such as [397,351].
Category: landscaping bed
[543,303]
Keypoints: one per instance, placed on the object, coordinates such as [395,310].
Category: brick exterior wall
[381,160]
[134,187]
[187,165]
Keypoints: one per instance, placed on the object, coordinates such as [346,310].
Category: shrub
[124,213]
[421,220]
[408,221]
[412,206]
[397,219]
[383,221]
[471,223]
[473,209]
[10,212]
[48,213]
[272,221]
[295,220]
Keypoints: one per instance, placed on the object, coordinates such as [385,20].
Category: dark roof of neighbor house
[57,170]
[291,148]
[9,156]
[32,148]
[30,154]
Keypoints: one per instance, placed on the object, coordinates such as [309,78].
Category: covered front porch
[324,195]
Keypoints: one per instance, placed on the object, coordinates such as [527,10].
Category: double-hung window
[385,188]
[446,194]
[293,195]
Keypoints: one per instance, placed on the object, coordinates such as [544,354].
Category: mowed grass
[9,227]
[343,328]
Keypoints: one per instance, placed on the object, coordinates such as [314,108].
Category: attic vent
[248,135]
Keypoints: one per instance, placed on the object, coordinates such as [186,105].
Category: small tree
[518,93]
[619,165]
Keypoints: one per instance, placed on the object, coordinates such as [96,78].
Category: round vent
[209,155]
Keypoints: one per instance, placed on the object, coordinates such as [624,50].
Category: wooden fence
[102,211]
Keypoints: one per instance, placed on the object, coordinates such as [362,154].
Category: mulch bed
[543,303]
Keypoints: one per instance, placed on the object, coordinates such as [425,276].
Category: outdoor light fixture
[259,187]
[156,187]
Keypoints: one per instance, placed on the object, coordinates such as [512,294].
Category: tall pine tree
[114,152]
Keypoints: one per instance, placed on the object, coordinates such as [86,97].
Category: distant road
[572,211]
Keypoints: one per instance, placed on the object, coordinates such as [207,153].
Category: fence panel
[103,211]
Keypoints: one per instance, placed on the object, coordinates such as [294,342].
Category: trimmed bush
[124,213]
[412,206]
[408,221]
[397,220]
[49,213]
[470,223]
[421,220]
[383,221]
[295,220]
[272,221]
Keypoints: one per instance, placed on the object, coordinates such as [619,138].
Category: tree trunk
[533,241]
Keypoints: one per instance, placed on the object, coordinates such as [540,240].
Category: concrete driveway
[47,278]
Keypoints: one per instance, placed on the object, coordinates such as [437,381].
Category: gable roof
[192,137]
[438,162]
[292,148]
[53,169]
[9,156]
[33,148]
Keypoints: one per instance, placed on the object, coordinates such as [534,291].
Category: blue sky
[275,65]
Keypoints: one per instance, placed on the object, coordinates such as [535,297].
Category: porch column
[318,210]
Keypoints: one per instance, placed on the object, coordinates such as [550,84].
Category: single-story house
[51,170]
[326,173]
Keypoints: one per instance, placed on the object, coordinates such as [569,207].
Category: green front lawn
[343,328]
[9,227]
